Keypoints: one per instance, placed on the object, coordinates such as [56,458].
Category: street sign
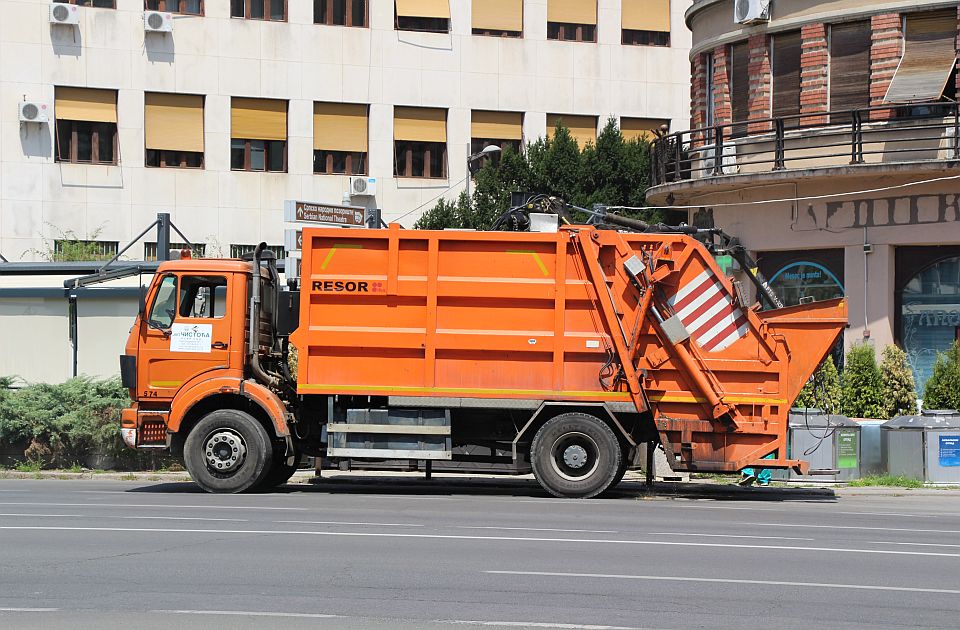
[327,214]
[293,239]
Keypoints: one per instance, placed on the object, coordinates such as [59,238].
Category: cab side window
[165,304]
[203,297]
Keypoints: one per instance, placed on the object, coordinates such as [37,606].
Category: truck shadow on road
[519,487]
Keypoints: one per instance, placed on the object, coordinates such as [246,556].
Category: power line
[445,191]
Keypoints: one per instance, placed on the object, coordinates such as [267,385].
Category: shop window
[340,12]
[929,313]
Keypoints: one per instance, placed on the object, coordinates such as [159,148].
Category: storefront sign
[950,450]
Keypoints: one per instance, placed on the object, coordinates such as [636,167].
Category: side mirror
[143,300]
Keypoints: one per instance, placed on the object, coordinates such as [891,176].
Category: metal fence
[886,134]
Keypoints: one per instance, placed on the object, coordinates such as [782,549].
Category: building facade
[230,107]
[824,136]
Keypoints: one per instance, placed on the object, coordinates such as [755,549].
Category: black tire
[575,455]
[280,472]
[620,473]
[228,452]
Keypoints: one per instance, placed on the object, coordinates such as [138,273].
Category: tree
[613,171]
[823,391]
[899,390]
[862,384]
[943,388]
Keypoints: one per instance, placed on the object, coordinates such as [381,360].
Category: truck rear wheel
[280,471]
[228,452]
[575,455]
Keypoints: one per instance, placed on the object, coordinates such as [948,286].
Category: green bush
[823,391]
[62,424]
[943,388]
[863,384]
[899,390]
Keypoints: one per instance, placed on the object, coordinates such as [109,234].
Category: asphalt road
[441,554]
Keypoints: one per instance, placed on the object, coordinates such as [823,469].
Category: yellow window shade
[572,11]
[420,124]
[424,8]
[340,127]
[258,119]
[497,125]
[86,104]
[498,15]
[582,128]
[640,128]
[174,122]
[646,15]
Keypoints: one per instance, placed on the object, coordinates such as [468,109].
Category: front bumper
[144,428]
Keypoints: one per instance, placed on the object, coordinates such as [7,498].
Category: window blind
[582,128]
[420,124]
[340,127]
[645,15]
[497,125]
[572,11]
[258,119]
[786,75]
[641,128]
[849,67]
[173,122]
[423,8]
[85,104]
[929,56]
[498,15]
[740,81]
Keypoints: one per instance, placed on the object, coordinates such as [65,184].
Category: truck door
[186,332]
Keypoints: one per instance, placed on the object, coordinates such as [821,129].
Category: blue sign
[950,450]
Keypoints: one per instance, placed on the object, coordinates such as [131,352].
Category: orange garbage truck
[562,352]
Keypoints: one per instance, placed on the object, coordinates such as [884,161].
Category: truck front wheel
[575,455]
[228,452]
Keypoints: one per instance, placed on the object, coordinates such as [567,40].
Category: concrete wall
[221,57]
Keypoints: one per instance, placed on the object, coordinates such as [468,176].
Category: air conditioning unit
[64,13]
[157,22]
[33,112]
[728,160]
[363,186]
[751,11]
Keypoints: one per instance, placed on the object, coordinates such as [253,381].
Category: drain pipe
[259,373]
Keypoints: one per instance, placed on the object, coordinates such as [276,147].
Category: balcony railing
[874,135]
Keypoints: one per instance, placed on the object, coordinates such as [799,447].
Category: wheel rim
[575,456]
[224,451]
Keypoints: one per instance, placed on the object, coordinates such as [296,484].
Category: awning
[572,11]
[929,57]
[85,104]
[173,122]
[646,15]
[420,124]
[340,127]
[582,128]
[423,8]
[497,125]
[498,15]
[258,119]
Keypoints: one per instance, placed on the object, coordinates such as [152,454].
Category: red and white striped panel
[708,312]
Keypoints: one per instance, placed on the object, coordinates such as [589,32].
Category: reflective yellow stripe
[536,257]
[326,261]
[681,398]
[535,393]
[165,383]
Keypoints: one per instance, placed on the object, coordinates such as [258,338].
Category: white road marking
[29,609]
[586,541]
[247,613]
[881,529]
[535,624]
[155,505]
[914,544]
[888,514]
[728,536]
[664,578]
[157,518]
[539,529]
[346,523]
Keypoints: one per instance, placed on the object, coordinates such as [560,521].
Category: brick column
[698,94]
[957,88]
[886,47]
[722,108]
[758,69]
[814,65]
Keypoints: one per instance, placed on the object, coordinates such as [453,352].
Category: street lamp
[487,150]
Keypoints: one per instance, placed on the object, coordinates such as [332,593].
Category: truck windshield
[165,304]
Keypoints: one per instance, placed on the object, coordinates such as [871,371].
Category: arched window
[805,279]
[930,315]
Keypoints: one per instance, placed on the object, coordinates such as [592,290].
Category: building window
[583,129]
[173,130]
[339,138]
[645,22]
[502,129]
[432,16]
[849,69]
[66,250]
[740,85]
[644,129]
[97,4]
[186,7]
[929,58]
[340,12]
[786,76]
[273,10]
[572,20]
[197,250]
[711,90]
[258,135]
[497,18]
[239,251]
[420,142]
[86,125]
